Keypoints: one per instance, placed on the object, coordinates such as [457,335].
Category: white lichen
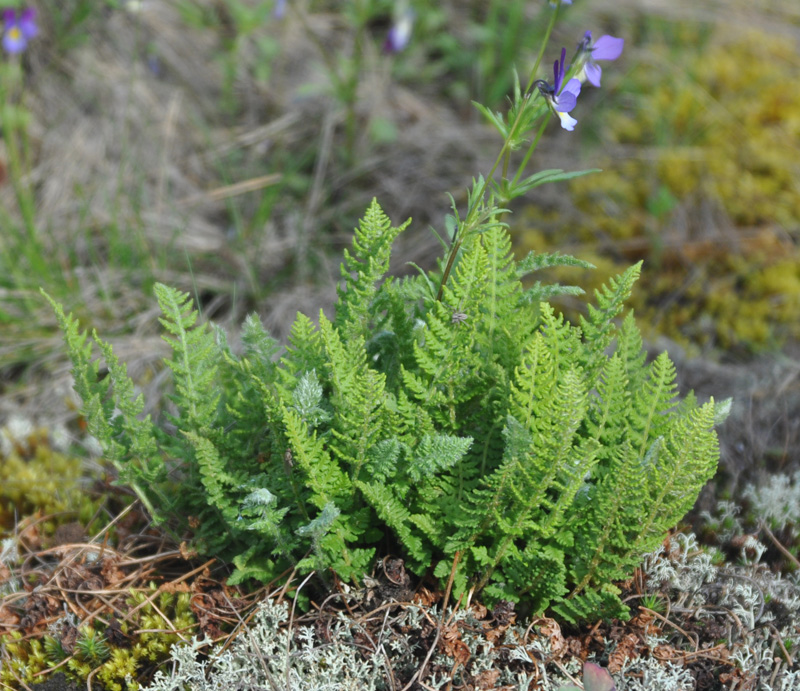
[777,501]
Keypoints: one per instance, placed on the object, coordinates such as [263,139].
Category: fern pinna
[470,425]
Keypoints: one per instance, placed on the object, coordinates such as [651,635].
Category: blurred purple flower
[279,9]
[18,29]
[561,100]
[555,3]
[605,48]
[400,33]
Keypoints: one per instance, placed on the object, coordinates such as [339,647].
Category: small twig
[386,605]
[291,620]
[154,558]
[418,674]
[695,641]
[775,673]
[89,678]
[242,626]
[233,190]
[778,638]
[285,587]
[392,683]
[567,674]
[785,552]
[25,686]
[167,619]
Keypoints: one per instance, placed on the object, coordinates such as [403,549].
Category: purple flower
[561,100]
[279,9]
[18,29]
[400,33]
[606,48]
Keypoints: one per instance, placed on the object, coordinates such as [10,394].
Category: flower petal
[565,102]
[607,48]
[27,23]
[593,73]
[400,33]
[567,122]
[573,87]
[13,41]
[556,77]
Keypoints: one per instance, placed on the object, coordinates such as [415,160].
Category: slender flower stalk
[545,41]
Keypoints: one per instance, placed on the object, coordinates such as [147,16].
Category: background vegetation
[228,150]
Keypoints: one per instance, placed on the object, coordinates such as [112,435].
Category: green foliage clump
[141,641]
[478,434]
[710,203]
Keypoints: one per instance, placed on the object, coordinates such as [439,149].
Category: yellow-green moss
[35,478]
[150,640]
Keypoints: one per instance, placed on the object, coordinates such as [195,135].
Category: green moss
[147,642]
[23,659]
[35,477]
[708,196]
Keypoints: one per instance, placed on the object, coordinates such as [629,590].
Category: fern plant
[451,416]
[547,455]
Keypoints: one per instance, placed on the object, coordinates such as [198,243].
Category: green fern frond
[687,460]
[261,513]
[652,404]
[128,442]
[363,270]
[139,460]
[536,573]
[610,409]
[305,352]
[599,328]
[357,397]
[396,516]
[259,348]
[324,478]
[536,261]
[435,454]
[592,605]
[542,292]
[215,477]
[98,409]
[254,564]
[631,351]
[193,359]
